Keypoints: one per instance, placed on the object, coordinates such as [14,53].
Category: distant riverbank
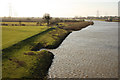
[23,60]
[105,20]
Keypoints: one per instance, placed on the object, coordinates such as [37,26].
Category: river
[89,53]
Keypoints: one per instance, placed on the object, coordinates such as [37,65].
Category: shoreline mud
[25,59]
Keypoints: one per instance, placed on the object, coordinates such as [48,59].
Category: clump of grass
[19,63]
[29,53]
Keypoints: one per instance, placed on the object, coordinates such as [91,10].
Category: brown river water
[89,53]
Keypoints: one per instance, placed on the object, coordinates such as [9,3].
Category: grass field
[27,23]
[23,23]
[13,34]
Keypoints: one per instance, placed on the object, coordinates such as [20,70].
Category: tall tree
[47,18]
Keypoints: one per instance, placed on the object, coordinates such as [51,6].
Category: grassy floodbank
[15,62]
[21,60]
[75,26]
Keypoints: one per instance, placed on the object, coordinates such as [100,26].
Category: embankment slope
[23,60]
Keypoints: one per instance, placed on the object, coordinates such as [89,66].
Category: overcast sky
[58,8]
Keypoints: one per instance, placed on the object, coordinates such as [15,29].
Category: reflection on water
[89,53]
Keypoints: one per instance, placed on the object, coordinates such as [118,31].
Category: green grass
[75,25]
[27,65]
[25,23]
[18,65]
[20,58]
[13,34]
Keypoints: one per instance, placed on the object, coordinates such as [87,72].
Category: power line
[10,10]
[97,13]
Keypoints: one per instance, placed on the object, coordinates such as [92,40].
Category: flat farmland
[13,34]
